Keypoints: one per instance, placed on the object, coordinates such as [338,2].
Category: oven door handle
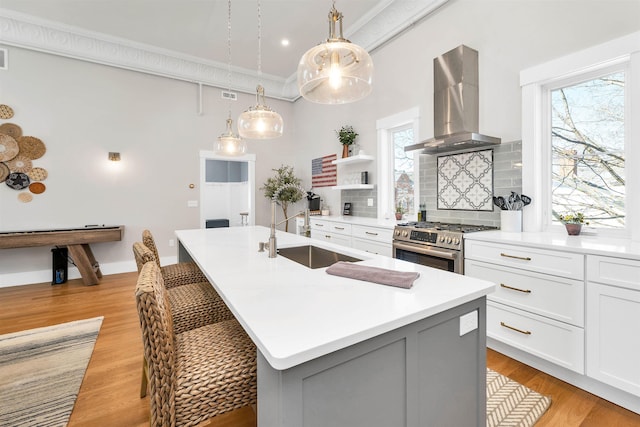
[425,250]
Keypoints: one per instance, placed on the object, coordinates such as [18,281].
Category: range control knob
[448,239]
[396,232]
[441,239]
[405,233]
[456,241]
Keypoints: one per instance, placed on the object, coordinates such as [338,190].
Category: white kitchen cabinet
[613,322]
[538,306]
[557,342]
[372,239]
[334,232]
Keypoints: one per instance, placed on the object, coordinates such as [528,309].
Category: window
[398,174]
[580,148]
[587,136]
[405,180]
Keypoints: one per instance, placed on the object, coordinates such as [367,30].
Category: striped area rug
[41,371]
[511,404]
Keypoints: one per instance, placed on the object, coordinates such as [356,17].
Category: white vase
[511,221]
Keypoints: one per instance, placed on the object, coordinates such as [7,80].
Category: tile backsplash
[507,177]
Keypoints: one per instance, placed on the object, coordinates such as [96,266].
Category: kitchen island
[334,351]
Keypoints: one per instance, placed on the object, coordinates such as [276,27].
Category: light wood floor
[109,395]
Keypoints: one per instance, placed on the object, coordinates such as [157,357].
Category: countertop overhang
[585,243]
[295,314]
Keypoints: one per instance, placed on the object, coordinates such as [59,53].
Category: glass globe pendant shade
[336,71]
[260,122]
[229,144]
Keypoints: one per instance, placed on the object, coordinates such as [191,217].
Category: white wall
[509,36]
[82,111]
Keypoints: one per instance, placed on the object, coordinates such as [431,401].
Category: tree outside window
[587,150]
[403,168]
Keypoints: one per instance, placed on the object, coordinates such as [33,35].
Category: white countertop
[584,243]
[360,220]
[295,314]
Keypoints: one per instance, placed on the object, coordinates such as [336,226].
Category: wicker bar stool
[197,374]
[193,304]
[174,274]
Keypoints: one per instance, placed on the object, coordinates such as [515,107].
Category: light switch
[369,202]
[468,322]
[192,203]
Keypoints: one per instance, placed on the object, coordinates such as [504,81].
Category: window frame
[384,127]
[536,84]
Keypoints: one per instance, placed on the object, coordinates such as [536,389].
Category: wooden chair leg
[145,378]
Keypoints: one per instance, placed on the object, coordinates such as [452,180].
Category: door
[227,189]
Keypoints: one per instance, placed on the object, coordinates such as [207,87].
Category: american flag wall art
[323,172]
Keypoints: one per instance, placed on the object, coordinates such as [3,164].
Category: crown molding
[29,32]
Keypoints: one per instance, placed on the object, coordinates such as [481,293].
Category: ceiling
[196,30]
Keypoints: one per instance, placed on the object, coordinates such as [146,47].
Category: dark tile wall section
[358,200]
[507,177]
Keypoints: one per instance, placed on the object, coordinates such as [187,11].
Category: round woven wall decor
[11,129]
[31,147]
[37,187]
[4,171]
[18,180]
[8,148]
[20,163]
[38,174]
[6,112]
[25,197]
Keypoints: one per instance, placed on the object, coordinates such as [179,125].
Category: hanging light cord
[259,43]
[229,53]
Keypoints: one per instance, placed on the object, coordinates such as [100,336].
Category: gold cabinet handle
[326,236]
[526,291]
[318,225]
[515,329]
[339,228]
[516,257]
[370,233]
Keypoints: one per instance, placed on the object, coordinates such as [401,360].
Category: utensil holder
[511,221]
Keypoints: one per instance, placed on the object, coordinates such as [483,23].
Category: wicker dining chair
[197,374]
[173,274]
[193,304]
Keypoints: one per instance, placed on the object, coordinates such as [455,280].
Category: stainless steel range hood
[455,98]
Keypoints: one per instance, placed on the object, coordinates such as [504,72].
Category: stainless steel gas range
[434,244]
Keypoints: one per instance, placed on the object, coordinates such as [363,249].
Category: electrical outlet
[468,322]
[172,242]
[369,202]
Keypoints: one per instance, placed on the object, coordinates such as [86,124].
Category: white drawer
[373,247]
[331,227]
[614,271]
[338,239]
[548,339]
[384,235]
[556,297]
[558,263]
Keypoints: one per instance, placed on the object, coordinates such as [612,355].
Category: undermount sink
[313,256]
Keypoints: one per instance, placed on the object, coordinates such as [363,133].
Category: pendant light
[229,144]
[336,71]
[260,121]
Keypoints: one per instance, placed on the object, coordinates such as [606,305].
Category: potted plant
[285,187]
[346,136]
[399,212]
[573,222]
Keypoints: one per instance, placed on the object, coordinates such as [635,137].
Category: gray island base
[423,374]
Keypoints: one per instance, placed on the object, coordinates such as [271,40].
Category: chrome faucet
[272,243]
